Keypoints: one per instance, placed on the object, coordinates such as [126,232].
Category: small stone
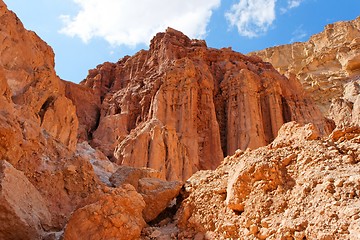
[265,222]
[348,159]
[264,233]
[253,229]
[155,234]
[339,183]
[299,235]
[199,236]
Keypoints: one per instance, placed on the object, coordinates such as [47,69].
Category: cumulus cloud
[252,17]
[136,21]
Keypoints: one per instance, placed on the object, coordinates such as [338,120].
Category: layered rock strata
[181,106]
[345,110]
[323,64]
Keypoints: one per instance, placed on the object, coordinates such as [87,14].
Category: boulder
[23,211]
[132,175]
[157,193]
[345,110]
[114,216]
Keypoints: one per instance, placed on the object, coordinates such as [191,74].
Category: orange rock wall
[180,106]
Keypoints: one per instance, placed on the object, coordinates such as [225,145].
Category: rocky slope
[299,187]
[180,106]
[324,64]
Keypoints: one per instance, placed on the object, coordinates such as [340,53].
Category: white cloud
[291,4]
[252,17]
[136,21]
[294,3]
[299,34]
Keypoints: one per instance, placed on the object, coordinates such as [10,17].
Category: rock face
[113,216]
[324,64]
[87,108]
[23,211]
[27,64]
[38,135]
[299,187]
[44,174]
[157,193]
[176,108]
[181,106]
[345,111]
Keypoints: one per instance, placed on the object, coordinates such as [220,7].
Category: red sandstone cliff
[38,136]
[181,106]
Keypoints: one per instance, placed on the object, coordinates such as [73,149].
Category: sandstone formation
[301,187]
[324,63]
[156,192]
[87,108]
[132,175]
[163,114]
[27,64]
[113,216]
[45,175]
[345,111]
[38,133]
[180,106]
[24,214]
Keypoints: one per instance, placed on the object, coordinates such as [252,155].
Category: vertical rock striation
[181,106]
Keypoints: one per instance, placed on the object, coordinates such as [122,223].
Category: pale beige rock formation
[345,111]
[324,63]
[180,107]
[300,187]
[132,175]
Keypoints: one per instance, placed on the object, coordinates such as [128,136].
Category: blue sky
[85,33]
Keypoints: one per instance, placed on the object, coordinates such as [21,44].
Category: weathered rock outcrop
[345,111]
[24,214]
[177,108]
[113,216]
[38,132]
[27,64]
[156,192]
[87,109]
[44,174]
[324,64]
[181,106]
[298,187]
